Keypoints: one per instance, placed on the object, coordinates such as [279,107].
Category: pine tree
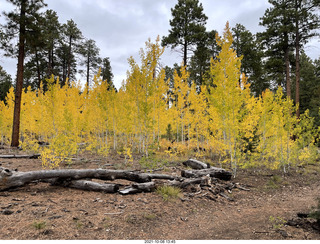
[187,26]
[207,48]
[106,72]
[72,36]
[306,22]
[5,83]
[91,59]
[278,41]
[247,47]
[22,21]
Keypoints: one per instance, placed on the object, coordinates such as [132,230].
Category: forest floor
[41,211]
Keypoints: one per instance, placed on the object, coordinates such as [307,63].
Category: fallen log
[34,156]
[160,176]
[214,172]
[150,186]
[11,179]
[87,185]
[196,164]
[137,188]
[205,180]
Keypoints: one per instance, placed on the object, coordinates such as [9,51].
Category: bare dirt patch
[41,211]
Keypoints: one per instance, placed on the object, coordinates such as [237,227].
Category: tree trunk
[34,156]
[150,186]
[69,60]
[195,164]
[213,172]
[38,68]
[87,185]
[297,60]
[288,81]
[88,71]
[185,53]
[19,83]
[11,179]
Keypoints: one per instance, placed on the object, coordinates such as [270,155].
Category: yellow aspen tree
[227,98]
[199,119]
[142,86]
[159,106]
[305,149]
[6,117]
[181,92]
[29,119]
[62,118]
[97,120]
[276,128]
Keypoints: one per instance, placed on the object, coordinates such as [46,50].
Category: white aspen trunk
[197,133]
[106,139]
[114,135]
[158,127]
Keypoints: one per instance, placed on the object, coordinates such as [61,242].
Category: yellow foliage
[221,120]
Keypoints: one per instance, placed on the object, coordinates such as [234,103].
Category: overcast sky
[121,27]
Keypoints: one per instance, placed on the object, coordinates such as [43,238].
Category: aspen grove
[220,120]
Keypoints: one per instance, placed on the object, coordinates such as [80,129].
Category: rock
[302,215]
[283,233]
[7,212]
[55,217]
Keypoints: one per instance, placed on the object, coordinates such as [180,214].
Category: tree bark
[297,60]
[12,179]
[288,80]
[87,185]
[34,156]
[19,82]
[69,60]
[150,186]
[196,164]
[185,53]
[213,172]
[137,188]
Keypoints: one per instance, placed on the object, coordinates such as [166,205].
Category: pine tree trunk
[38,69]
[298,76]
[185,53]
[297,60]
[19,82]
[288,81]
[69,59]
[88,70]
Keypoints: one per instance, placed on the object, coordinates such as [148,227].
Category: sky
[121,27]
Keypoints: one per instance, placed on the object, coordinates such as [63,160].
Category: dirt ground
[41,211]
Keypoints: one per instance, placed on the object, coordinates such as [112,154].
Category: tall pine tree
[187,26]
[22,20]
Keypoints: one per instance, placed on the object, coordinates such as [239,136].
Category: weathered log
[160,176]
[34,156]
[226,197]
[137,188]
[196,164]
[219,173]
[186,182]
[87,185]
[150,186]
[10,179]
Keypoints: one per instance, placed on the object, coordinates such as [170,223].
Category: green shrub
[315,212]
[168,192]
[39,225]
